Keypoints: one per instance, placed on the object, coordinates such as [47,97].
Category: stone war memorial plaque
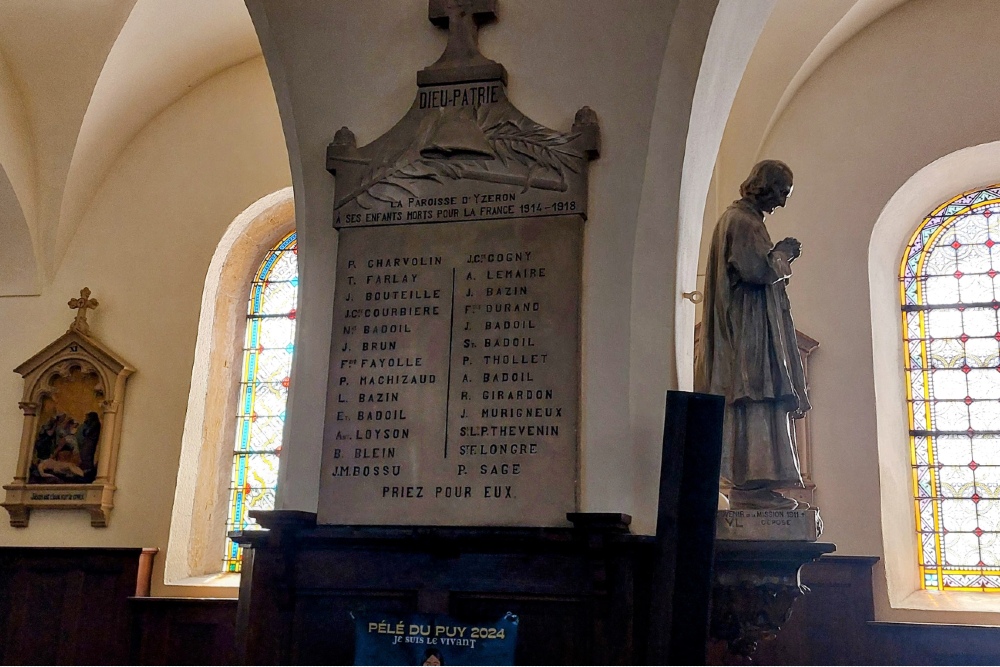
[453,396]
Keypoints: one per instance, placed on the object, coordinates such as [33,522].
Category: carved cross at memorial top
[81,306]
[461,60]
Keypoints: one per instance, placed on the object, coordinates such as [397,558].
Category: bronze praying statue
[747,350]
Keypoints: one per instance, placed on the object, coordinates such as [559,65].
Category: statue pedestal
[765,525]
[755,584]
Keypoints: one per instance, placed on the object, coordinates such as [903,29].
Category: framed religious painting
[74,390]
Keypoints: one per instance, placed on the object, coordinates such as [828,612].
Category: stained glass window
[950,294]
[267,363]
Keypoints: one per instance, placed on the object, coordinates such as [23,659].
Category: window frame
[899,595]
[935,504]
[197,527]
[238,506]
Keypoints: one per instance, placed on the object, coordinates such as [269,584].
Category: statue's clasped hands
[789,246]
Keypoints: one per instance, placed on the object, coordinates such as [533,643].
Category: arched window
[263,391]
[233,426]
[950,296]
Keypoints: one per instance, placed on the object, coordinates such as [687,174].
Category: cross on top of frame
[81,306]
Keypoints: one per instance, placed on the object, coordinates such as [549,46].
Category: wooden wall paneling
[571,588]
[551,630]
[65,605]
[932,644]
[183,631]
[323,629]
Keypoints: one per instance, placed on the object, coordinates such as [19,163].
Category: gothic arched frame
[76,350]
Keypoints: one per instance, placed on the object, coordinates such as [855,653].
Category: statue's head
[768,185]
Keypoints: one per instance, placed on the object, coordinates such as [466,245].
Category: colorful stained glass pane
[263,391]
[950,295]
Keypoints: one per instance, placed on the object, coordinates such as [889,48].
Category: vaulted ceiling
[79,79]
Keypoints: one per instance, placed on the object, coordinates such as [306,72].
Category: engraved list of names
[454,374]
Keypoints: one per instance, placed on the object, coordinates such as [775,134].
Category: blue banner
[425,639]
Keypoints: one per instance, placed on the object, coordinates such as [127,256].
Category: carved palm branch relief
[476,143]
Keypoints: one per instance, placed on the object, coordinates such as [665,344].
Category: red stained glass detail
[291,314]
[997,335]
[968,400]
[987,213]
[971,432]
[975,499]
[285,382]
[966,369]
[295,250]
[978,532]
[964,338]
[956,244]
[992,273]
[990,243]
[958,274]
[973,465]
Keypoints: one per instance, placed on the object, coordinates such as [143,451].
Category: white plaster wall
[917,84]
[143,248]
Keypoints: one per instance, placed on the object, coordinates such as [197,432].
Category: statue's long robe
[747,352]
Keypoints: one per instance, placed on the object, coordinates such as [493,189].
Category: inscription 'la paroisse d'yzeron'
[453,396]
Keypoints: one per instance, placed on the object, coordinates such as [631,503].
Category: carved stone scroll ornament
[74,390]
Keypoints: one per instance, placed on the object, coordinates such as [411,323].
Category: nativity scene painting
[73,403]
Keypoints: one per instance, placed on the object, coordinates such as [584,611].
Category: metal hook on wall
[694,297]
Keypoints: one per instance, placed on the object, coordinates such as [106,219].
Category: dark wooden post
[685,529]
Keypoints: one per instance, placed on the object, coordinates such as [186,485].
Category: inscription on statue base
[781,525]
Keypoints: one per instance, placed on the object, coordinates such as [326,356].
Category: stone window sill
[952,602]
[218,580]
